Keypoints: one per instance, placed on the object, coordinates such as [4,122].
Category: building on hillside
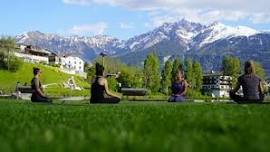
[54,59]
[72,64]
[67,64]
[33,54]
[37,51]
[217,85]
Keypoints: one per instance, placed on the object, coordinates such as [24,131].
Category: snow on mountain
[217,31]
[205,43]
[183,31]
[184,35]
[73,44]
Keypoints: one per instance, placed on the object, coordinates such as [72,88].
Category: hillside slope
[49,75]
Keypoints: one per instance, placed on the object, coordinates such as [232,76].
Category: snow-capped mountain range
[183,38]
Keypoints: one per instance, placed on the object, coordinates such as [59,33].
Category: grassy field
[134,126]
[49,75]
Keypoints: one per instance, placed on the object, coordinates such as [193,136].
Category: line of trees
[158,80]
[160,83]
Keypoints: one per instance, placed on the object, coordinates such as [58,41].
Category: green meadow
[50,75]
[133,126]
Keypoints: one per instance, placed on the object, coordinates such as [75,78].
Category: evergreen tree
[189,72]
[151,73]
[166,77]
[259,70]
[231,67]
[198,75]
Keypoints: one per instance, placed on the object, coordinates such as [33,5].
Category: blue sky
[124,18]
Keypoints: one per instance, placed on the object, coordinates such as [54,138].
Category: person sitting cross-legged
[178,88]
[100,92]
[37,90]
[251,85]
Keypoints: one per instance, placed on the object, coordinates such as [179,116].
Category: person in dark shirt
[178,88]
[251,86]
[37,90]
[100,92]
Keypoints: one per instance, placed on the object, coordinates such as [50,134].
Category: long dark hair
[249,67]
[36,71]
[99,69]
[177,72]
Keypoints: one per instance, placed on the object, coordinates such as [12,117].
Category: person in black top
[251,85]
[37,91]
[100,92]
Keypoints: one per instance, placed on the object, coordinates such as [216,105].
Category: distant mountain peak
[217,31]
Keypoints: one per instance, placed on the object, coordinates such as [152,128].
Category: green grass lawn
[49,75]
[134,126]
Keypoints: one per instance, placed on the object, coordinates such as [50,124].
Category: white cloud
[126,26]
[94,29]
[260,18]
[256,11]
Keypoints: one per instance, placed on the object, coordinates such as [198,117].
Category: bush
[113,84]
[15,64]
[130,79]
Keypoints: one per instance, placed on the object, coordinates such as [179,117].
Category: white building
[32,58]
[67,64]
[72,64]
[216,85]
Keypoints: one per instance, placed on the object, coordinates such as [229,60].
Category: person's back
[97,91]
[250,85]
[34,88]
[37,91]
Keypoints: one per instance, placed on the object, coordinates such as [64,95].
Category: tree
[9,44]
[198,75]
[177,65]
[91,71]
[231,67]
[151,73]
[113,84]
[111,65]
[189,72]
[194,77]
[259,70]
[166,77]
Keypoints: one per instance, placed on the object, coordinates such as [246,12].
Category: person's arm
[236,88]
[105,82]
[38,88]
[185,88]
[261,90]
